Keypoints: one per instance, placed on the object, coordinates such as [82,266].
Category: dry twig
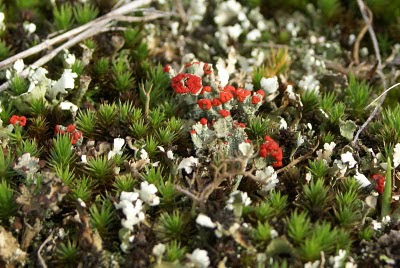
[228,169]
[360,36]
[231,168]
[127,8]
[384,92]
[39,253]
[181,11]
[298,160]
[364,10]
[81,33]
[188,193]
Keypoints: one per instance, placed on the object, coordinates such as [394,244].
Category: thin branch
[118,4]
[145,18]
[44,45]
[80,37]
[187,193]
[153,15]
[53,34]
[230,168]
[298,160]
[371,116]
[114,29]
[97,26]
[356,47]
[181,11]
[39,253]
[127,8]
[364,10]
[384,92]
[335,66]
[77,39]
[222,172]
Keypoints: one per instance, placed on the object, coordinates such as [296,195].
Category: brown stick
[356,47]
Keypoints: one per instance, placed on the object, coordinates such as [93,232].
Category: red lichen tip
[20,120]
[271,149]
[204,104]
[379,183]
[224,113]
